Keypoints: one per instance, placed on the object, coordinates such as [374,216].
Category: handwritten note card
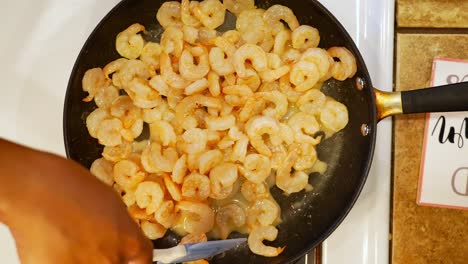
[443,181]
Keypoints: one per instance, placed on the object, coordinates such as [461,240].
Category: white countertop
[41,40]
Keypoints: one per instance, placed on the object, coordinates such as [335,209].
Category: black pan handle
[445,98]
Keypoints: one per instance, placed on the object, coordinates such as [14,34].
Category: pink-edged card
[443,179]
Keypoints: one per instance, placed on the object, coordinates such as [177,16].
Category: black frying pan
[348,153]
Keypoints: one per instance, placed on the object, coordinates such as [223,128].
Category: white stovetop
[41,40]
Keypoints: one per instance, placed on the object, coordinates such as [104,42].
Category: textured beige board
[432,13]
[420,234]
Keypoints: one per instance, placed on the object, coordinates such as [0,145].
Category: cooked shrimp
[156,159]
[170,77]
[219,63]
[208,160]
[252,107]
[149,195]
[128,174]
[172,188]
[253,81]
[165,215]
[153,230]
[281,42]
[334,115]
[307,157]
[163,132]
[232,36]
[117,153]
[239,151]
[287,134]
[222,178]
[305,37]
[287,182]
[228,217]
[136,212]
[190,33]
[103,170]
[257,168]
[346,66]
[129,43]
[150,54]
[187,16]
[210,13]
[169,14]
[193,238]
[196,186]
[220,123]
[94,120]
[172,41]
[262,212]
[304,75]
[253,191]
[286,88]
[237,6]
[276,13]
[304,126]
[93,82]
[124,109]
[106,96]
[180,169]
[189,104]
[249,52]
[188,69]
[251,25]
[312,102]
[142,94]
[195,140]
[109,132]
[114,66]
[206,35]
[255,241]
[320,58]
[279,101]
[240,90]
[259,125]
[201,218]
[213,83]
[197,86]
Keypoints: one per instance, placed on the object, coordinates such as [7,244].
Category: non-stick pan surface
[307,217]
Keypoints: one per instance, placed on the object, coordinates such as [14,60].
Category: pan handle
[445,98]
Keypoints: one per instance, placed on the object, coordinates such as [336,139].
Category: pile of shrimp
[227,113]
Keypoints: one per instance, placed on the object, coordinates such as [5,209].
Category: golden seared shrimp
[210,13]
[304,75]
[262,212]
[94,120]
[275,68]
[163,132]
[240,90]
[169,75]
[291,56]
[195,140]
[267,42]
[134,131]
[187,16]
[281,42]
[106,96]
[137,213]
[208,160]
[255,241]
[252,81]
[346,66]
[213,83]
[143,94]
[190,33]
[117,153]
[257,168]
[287,182]
[197,86]
[156,159]
[206,35]
[276,13]
[129,43]
[158,84]
[220,123]
[219,63]
[278,99]
[228,218]
[124,109]
[252,107]
[312,102]
[222,179]
[253,191]
[232,36]
[149,195]
[150,54]
[334,115]
[228,47]
[129,199]
[305,37]
[193,238]
[304,126]
[93,82]
[192,161]
[114,66]
[180,170]
[109,132]
[286,88]
[185,108]
[320,58]
[237,6]
[239,151]
[169,14]
[251,25]
[103,170]
[255,54]
[172,41]
[196,187]
[287,134]
[160,112]
[128,174]
[256,127]
[307,157]
[152,230]
[201,216]
[188,69]
[165,215]
[172,188]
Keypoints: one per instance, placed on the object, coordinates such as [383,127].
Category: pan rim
[368,89]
